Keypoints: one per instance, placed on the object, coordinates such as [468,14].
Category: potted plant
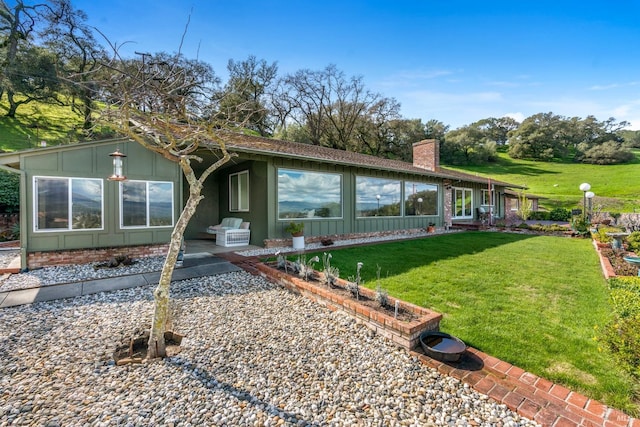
[297,232]
[431,227]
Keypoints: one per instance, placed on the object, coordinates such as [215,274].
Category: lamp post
[419,206]
[589,195]
[378,211]
[584,187]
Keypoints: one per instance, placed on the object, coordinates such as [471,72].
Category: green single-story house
[71,212]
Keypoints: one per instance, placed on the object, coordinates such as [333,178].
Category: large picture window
[303,194]
[377,197]
[146,204]
[462,203]
[420,199]
[239,192]
[68,204]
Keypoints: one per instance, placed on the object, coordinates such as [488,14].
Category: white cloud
[519,117]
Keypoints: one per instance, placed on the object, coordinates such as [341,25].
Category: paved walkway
[195,265]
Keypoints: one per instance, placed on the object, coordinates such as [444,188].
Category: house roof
[237,142]
[259,145]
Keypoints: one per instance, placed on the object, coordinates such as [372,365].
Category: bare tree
[245,97]
[163,103]
[327,104]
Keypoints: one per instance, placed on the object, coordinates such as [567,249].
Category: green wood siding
[93,161]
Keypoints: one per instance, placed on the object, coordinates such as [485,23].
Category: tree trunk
[156,344]
[13,105]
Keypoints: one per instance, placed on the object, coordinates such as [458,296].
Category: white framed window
[67,204]
[462,203]
[488,198]
[239,192]
[146,204]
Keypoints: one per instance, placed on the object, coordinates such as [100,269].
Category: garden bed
[404,329]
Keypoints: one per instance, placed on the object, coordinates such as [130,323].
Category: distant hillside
[617,187]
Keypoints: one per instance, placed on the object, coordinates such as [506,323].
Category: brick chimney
[426,154]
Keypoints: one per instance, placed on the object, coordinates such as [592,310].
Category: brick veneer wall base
[276,243]
[81,256]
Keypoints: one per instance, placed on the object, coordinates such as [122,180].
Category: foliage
[539,215]
[382,296]
[538,316]
[11,234]
[600,234]
[560,214]
[331,274]
[551,228]
[9,192]
[633,242]
[580,225]
[468,145]
[295,228]
[607,153]
[524,206]
[548,136]
[622,333]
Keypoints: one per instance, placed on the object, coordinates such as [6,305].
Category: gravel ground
[254,355]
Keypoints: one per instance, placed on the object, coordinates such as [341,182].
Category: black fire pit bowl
[442,346]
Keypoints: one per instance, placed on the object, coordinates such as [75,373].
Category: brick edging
[531,396]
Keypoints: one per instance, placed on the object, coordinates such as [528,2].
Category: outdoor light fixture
[117,166]
[584,187]
[590,195]
[419,206]
[378,198]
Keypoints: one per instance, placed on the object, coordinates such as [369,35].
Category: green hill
[36,122]
[616,187]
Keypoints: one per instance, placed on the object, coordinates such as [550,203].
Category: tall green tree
[497,128]
[28,71]
[543,136]
[468,145]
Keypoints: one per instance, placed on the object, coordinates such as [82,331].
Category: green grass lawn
[616,186]
[533,301]
[37,122]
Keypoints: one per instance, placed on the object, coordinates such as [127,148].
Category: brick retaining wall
[81,256]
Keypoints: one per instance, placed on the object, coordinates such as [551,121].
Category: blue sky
[453,61]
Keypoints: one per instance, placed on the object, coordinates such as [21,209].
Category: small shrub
[580,226]
[601,234]
[539,216]
[382,296]
[622,333]
[560,214]
[633,242]
[330,274]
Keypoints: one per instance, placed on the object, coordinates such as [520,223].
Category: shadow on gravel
[211,383]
